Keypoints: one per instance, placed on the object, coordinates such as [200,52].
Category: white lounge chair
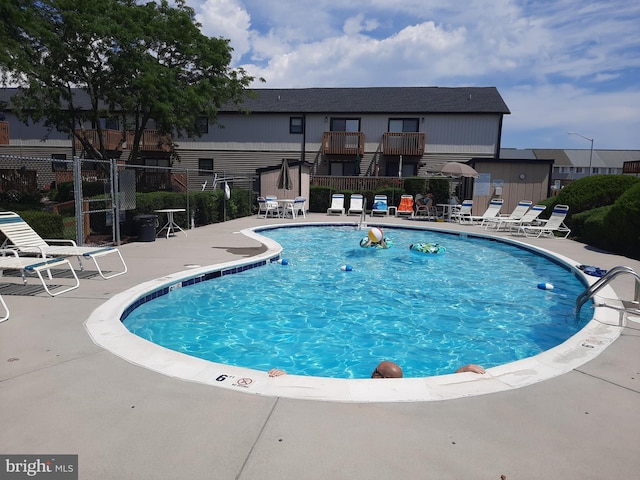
[554,225]
[493,210]
[9,260]
[529,218]
[337,204]
[380,206]
[356,202]
[6,310]
[405,209]
[23,238]
[463,213]
[516,214]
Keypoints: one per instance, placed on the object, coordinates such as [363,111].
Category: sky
[560,65]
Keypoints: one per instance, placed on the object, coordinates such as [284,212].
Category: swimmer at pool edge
[388,369]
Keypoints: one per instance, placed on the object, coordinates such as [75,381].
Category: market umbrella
[285,182]
[457,169]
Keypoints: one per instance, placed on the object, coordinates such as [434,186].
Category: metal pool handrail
[629,307]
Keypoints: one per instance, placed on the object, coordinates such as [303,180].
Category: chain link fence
[89,194]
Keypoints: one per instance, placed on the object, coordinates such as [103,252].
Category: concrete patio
[62,394]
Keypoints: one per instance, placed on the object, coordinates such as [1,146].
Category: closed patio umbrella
[457,169]
[285,182]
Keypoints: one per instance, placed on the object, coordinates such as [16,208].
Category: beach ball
[376,235]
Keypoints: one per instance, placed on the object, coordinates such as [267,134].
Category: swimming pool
[106,329]
[479,302]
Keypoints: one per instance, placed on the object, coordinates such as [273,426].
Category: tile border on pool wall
[105,327]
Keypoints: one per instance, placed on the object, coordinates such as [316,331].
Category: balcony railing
[4,133]
[112,139]
[151,140]
[403,144]
[628,167]
[343,143]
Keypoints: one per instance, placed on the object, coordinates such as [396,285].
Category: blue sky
[560,65]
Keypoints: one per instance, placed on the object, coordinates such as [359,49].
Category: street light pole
[590,152]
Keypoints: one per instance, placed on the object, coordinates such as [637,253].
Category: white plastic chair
[337,204]
[356,202]
[380,206]
[554,225]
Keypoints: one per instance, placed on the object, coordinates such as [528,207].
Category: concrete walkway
[62,394]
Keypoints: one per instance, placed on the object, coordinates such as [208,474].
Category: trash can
[146,227]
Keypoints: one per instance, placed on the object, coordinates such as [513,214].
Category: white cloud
[557,63]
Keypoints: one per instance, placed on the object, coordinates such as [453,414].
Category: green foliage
[440,189]
[65,193]
[13,200]
[622,223]
[592,192]
[415,185]
[145,59]
[47,225]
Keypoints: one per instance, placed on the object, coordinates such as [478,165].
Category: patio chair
[10,260]
[425,207]
[22,237]
[6,310]
[267,208]
[356,202]
[380,206]
[405,209]
[337,204]
[464,212]
[528,218]
[493,210]
[516,214]
[294,207]
[554,225]
[300,206]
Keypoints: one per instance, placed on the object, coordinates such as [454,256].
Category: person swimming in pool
[387,369]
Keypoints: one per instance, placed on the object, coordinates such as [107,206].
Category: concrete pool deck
[61,393]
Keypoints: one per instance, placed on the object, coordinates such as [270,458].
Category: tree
[78,62]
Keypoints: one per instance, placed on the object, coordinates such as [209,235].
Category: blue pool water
[476,303]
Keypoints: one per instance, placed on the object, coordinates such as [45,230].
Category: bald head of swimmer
[387,370]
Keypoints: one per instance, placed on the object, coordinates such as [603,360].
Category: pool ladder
[627,306]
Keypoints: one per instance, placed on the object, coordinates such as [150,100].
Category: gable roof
[388,100]
[400,100]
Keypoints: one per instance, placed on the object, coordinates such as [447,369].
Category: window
[296,125]
[403,125]
[595,171]
[205,165]
[345,124]
[579,170]
[60,165]
[202,124]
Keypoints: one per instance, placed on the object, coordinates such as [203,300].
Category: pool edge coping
[107,331]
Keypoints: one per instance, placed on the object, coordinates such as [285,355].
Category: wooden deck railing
[4,133]
[631,167]
[343,143]
[355,184]
[151,140]
[112,139]
[403,144]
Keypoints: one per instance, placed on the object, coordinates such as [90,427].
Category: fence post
[115,201]
[77,194]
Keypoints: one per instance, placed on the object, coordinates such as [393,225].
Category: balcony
[4,133]
[151,141]
[632,167]
[403,144]
[112,139]
[343,143]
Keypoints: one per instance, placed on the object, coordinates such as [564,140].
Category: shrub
[622,223]
[594,191]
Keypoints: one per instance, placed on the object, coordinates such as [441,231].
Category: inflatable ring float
[367,243]
[429,248]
